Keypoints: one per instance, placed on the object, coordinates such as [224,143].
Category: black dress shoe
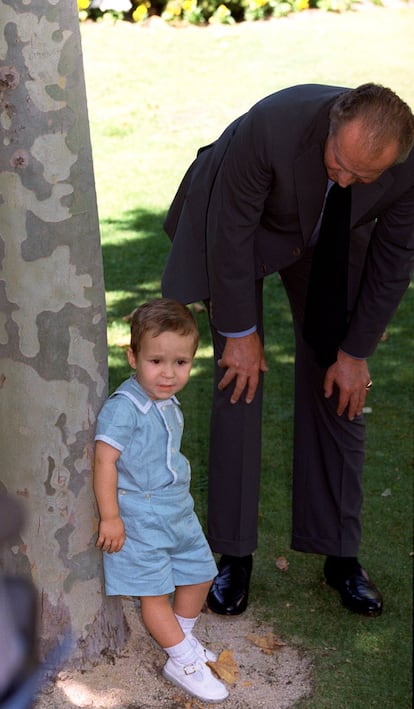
[229,592]
[357,591]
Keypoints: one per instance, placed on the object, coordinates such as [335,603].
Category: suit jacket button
[297,251]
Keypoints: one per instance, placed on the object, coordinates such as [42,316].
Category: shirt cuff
[243,333]
[350,355]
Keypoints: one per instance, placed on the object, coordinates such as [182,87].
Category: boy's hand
[111,535]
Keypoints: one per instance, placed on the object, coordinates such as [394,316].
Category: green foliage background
[156,93]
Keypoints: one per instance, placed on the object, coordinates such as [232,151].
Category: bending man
[251,204]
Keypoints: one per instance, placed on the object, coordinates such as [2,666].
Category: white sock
[183,653]
[186,624]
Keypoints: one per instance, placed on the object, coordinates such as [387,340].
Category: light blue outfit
[165,546]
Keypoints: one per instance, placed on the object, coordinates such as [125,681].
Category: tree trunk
[53,356]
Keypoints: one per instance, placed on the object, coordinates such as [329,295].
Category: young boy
[152,541]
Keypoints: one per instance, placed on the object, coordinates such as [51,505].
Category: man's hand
[351,376]
[111,535]
[244,359]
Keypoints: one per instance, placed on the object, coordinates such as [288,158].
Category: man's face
[347,158]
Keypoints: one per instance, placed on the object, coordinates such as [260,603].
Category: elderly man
[257,201]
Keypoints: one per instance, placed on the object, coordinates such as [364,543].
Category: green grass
[155,95]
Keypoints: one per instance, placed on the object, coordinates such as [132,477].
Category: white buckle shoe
[196,679]
[203,653]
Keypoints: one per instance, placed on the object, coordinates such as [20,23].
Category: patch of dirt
[133,681]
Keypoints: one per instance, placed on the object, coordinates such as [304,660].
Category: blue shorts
[165,545]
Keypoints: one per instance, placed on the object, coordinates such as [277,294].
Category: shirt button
[297,251]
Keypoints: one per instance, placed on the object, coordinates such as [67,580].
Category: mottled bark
[53,369]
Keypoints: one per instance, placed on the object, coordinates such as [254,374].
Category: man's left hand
[351,376]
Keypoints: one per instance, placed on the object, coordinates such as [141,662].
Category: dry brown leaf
[268,643]
[184,704]
[225,668]
[282,563]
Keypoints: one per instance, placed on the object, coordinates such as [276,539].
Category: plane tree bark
[53,353]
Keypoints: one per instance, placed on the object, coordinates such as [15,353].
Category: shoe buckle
[190,669]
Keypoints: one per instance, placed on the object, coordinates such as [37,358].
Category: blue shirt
[148,435]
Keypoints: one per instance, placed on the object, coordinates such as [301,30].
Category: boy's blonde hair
[162,315]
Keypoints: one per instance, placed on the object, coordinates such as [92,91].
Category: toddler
[152,541]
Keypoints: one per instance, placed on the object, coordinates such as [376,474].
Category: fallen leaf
[282,563]
[386,492]
[268,643]
[192,704]
[225,667]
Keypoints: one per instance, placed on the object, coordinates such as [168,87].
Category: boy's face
[163,363]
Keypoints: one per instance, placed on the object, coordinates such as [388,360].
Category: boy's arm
[111,535]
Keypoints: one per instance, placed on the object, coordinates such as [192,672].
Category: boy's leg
[160,621]
[170,625]
[189,600]
[184,667]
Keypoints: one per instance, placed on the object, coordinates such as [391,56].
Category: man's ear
[132,360]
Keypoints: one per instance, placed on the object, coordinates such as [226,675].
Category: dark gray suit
[247,207]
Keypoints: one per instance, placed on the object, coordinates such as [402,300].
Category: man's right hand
[244,359]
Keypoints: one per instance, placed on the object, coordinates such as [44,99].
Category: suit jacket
[248,206]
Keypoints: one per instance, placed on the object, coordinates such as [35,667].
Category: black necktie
[325,320]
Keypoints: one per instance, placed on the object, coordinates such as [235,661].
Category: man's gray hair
[385,116]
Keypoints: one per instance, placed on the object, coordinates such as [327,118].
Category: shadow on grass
[134,249]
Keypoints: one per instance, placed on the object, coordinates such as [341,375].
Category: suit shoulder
[300,111]
[300,97]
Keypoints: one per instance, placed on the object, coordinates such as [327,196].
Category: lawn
[157,93]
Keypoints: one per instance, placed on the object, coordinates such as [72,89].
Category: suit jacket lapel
[365,197]
[310,182]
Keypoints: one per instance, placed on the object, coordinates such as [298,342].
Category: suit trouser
[327,462]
